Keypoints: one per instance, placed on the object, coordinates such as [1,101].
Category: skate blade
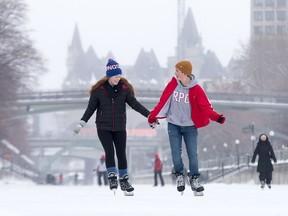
[198,193]
[114,191]
[182,192]
[126,193]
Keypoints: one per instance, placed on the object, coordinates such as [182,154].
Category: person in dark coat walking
[265,153]
[158,170]
[108,98]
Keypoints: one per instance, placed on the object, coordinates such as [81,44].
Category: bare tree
[264,64]
[20,65]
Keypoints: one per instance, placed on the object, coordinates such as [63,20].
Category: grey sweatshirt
[179,109]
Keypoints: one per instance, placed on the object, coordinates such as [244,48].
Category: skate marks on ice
[219,200]
[195,193]
[126,193]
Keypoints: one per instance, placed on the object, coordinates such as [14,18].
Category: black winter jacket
[110,104]
[265,152]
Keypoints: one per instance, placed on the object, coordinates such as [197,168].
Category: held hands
[153,122]
[153,125]
[221,119]
[78,127]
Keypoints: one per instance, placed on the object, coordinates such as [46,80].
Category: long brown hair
[104,79]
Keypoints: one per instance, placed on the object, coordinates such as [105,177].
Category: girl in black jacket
[108,97]
[265,152]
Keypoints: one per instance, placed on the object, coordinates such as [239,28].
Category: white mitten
[78,127]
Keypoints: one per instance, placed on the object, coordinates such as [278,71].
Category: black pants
[111,141]
[266,177]
[156,174]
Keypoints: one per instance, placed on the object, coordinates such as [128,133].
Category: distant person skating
[158,166]
[265,153]
[101,171]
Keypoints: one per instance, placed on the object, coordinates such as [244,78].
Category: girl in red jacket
[186,107]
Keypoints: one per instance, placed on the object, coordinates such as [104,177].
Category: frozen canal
[23,199]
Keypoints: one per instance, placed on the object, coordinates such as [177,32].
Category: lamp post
[253,138]
[225,145]
[272,134]
[237,142]
[205,151]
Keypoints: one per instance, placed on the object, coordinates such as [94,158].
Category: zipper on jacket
[113,119]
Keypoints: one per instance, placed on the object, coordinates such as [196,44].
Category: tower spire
[181,17]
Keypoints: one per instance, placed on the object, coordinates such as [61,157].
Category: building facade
[269,17]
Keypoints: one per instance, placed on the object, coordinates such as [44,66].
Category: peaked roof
[76,41]
[189,32]
[212,68]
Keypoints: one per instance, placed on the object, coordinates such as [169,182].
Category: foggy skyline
[125,27]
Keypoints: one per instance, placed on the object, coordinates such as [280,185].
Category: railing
[277,97]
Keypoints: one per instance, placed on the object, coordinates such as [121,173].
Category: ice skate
[196,187]
[269,186]
[262,184]
[126,186]
[113,183]
[180,182]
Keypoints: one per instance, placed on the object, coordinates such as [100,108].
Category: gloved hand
[152,122]
[221,119]
[153,125]
[78,127]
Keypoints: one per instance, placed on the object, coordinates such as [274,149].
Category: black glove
[153,125]
[221,120]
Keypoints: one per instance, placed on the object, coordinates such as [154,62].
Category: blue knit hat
[112,68]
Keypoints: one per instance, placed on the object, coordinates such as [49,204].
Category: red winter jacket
[202,109]
[157,164]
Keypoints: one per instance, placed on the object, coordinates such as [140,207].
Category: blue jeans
[190,134]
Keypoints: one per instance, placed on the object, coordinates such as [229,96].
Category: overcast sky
[126,26]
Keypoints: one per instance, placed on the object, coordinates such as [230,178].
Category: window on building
[281,30]
[258,30]
[269,3]
[258,15]
[258,3]
[281,3]
[281,15]
[269,15]
[269,30]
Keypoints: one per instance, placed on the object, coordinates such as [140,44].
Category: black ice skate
[196,187]
[126,186]
[180,182]
[112,180]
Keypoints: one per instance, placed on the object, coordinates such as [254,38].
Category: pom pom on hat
[185,67]
[112,68]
